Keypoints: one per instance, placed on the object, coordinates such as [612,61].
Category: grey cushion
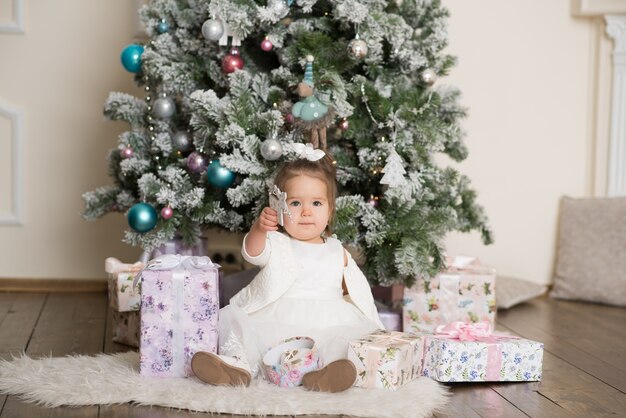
[591,255]
[510,292]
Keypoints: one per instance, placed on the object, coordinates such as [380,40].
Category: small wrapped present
[179,310]
[386,359]
[123,297]
[178,246]
[465,291]
[126,327]
[391,318]
[286,363]
[465,352]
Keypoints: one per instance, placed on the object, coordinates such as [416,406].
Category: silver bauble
[271,149]
[181,141]
[429,76]
[164,108]
[284,60]
[357,48]
[280,7]
[212,29]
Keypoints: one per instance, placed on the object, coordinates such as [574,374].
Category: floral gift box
[386,359]
[123,296]
[126,327]
[462,352]
[465,291]
[286,363]
[179,313]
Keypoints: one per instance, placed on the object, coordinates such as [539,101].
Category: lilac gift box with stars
[179,314]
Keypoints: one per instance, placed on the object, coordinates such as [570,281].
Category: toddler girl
[308,285]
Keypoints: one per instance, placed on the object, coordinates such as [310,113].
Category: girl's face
[307,199]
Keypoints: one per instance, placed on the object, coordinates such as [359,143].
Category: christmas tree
[230,85]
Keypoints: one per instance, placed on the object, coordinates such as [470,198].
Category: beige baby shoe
[335,377]
[220,370]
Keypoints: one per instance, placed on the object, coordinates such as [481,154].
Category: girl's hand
[268,220]
[255,240]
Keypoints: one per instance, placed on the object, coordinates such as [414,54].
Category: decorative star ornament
[278,202]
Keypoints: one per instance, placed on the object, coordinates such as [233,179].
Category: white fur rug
[112,379]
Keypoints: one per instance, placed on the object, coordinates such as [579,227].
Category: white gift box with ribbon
[179,313]
[467,352]
[386,359]
[126,327]
[123,296]
[465,291]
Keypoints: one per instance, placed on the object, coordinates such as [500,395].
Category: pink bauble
[373,201]
[289,118]
[127,152]
[266,45]
[344,124]
[167,212]
[232,61]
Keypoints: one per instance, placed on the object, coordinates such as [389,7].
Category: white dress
[313,307]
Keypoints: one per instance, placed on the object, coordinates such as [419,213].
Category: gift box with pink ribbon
[466,352]
[465,291]
[123,297]
[386,359]
[179,312]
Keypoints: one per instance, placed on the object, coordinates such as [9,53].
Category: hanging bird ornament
[309,112]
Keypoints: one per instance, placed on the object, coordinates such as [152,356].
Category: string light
[365,99]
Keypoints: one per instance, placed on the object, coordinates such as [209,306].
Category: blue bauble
[142,217]
[163,26]
[131,58]
[219,176]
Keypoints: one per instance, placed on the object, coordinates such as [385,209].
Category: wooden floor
[584,369]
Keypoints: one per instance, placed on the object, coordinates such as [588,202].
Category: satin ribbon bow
[464,331]
[462,262]
[173,261]
[307,151]
[113,266]
[480,332]
[386,339]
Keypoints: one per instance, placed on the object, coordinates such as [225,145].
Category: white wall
[60,72]
[524,69]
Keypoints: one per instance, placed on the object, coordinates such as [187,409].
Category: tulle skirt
[332,324]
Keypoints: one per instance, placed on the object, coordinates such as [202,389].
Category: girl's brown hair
[323,169]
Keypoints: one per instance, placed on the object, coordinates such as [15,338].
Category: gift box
[390,318]
[386,359]
[465,292]
[463,352]
[286,363]
[126,327]
[123,296]
[180,247]
[179,312]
